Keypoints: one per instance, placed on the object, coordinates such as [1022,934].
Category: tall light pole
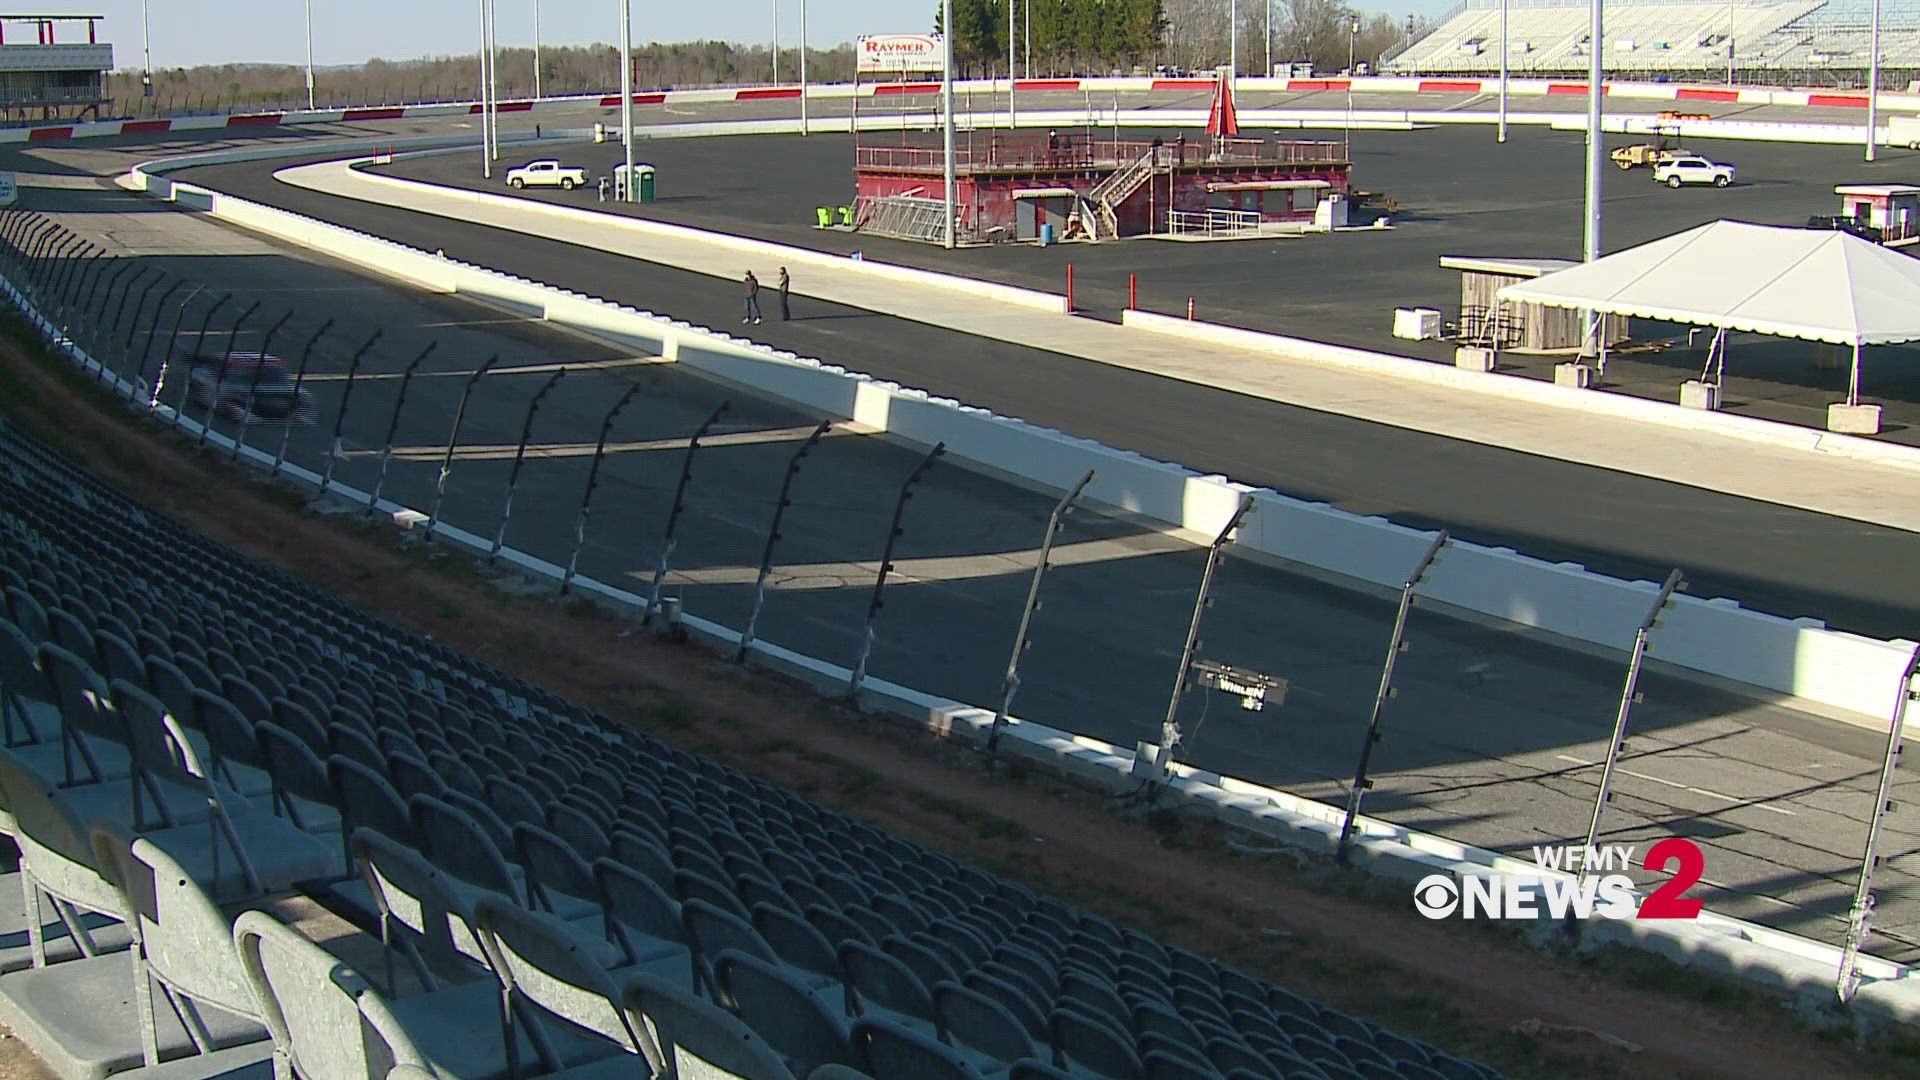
[310,105]
[776,42]
[1013,120]
[536,50]
[1730,61]
[1596,154]
[1029,67]
[803,67]
[146,48]
[486,137]
[1269,71]
[946,110]
[492,106]
[626,92]
[1873,82]
[1503,70]
[1233,35]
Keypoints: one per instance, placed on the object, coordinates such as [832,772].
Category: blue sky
[189,32]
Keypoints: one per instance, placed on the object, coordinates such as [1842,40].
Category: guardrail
[1212,222]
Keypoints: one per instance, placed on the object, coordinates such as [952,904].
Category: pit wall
[1510,584]
[900,93]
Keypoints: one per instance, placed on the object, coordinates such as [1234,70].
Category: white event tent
[1815,285]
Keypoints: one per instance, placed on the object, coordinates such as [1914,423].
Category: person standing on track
[753,299]
[786,284]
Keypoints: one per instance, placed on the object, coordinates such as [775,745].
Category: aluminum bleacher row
[553,893]
[1552,37]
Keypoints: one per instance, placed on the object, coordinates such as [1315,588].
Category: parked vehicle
[233,385]
[547,173]
[1845,224]
[1904,131]
[1628,157]
[1692,170]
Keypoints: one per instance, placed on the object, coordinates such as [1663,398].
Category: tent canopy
[1798,283]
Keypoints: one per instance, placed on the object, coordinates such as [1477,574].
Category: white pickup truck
[547,173]
[1692,170]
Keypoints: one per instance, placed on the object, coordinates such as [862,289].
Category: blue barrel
[1046,234]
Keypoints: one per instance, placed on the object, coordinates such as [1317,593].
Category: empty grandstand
[1798,42]
[184,726]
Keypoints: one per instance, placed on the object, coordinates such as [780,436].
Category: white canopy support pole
[1853,380]
[1720,366]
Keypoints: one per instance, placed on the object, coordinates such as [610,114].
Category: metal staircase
[1099,210]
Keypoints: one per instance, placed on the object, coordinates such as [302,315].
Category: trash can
[1046,234]
[646,182]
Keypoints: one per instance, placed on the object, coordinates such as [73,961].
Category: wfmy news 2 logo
[1573,882]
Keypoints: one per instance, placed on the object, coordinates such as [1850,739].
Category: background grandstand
[1803,42]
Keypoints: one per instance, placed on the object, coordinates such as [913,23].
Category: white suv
[1692,170]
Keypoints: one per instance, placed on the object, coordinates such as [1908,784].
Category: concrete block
[1577,376]
[1695,394]
[1416,324]
[1469,358]
[1853,419]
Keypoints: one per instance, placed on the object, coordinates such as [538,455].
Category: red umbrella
[1223,122]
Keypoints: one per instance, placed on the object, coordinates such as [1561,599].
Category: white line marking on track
[1682,787]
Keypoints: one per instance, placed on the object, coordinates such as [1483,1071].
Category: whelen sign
[900,52]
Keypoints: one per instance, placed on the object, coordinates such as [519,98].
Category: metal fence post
[71,259]
[220,382]
[120,312]
[1396,645]
[1860,915]
[299,378]
[773,538]
[167,360]
[593,481]
[253,388]
[40,257]
[886,564]
[519,458]
[393,427]
[78,286]
[453,441]
[670,538]
[334,450]
[133,327]
[153,334]
[50,259]
[1170,725]
[1629,697]
[1010,684]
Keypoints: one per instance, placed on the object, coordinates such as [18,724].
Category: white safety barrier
[907,92]
[986,290]
[1563,598]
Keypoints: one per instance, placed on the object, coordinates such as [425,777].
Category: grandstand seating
[1551,38]
[553,893]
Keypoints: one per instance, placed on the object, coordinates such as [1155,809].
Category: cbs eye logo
[1436,896]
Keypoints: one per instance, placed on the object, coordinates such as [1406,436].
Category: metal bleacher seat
[497,806]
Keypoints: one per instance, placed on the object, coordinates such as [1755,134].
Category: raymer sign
[900,52]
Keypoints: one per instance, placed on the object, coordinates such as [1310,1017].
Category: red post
[1133,292]
[1069,288]
[1189,309]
